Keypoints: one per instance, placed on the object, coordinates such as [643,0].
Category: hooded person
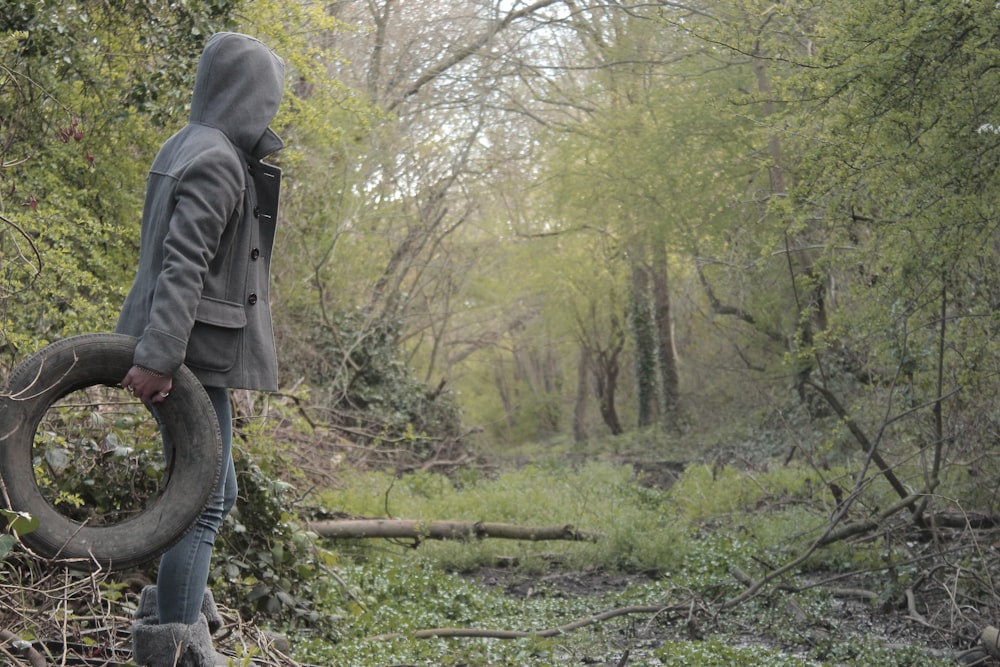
[200,298]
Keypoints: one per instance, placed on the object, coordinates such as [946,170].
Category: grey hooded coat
[200,296]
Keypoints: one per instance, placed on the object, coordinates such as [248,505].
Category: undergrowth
[641,528]
[635,527]
[687,541]
[678,554]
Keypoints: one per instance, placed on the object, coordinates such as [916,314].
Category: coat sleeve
[207,197]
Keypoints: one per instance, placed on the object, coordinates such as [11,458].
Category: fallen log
[444,530]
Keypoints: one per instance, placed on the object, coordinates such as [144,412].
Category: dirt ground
[890,623]
[851,617]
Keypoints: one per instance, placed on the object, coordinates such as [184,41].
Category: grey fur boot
[173,644]
[211,613]
[146,609]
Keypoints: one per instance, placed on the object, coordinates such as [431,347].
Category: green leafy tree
[87,90]
[654,166]
[901,105]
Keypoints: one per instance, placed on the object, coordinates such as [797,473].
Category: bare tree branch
[470,49]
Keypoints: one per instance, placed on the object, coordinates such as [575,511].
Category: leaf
[21,523]
[57,459]
[7,543]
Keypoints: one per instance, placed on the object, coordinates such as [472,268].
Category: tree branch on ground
[444,530]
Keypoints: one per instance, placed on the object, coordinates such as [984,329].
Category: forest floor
[97,633]
[870,616]
[855,618]
[893,624]
[104,642]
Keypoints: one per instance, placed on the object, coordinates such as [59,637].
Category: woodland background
[559,218]
[731,231]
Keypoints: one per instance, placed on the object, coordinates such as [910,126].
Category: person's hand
[147,385]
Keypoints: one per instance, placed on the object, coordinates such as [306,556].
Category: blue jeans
[184,568]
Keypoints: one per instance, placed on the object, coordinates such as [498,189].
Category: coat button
[252,299]
[256,211]
[254,254]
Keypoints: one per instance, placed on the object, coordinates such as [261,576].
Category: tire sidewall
[191,427]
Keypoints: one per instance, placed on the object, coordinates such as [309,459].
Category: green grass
[692,536]
[637,527]
[640,528]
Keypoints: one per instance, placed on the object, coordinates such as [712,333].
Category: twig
[911,607]
[861,527]
[826,538]
[866,445]
[35,658]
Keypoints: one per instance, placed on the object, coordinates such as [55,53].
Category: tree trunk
[643,331]
[600,351]
[505,392]
[582,389]
[778,185]
[669,382]
[605,384]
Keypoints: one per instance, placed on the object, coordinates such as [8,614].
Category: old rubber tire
[192,429]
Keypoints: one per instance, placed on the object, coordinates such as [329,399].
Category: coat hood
[238,89]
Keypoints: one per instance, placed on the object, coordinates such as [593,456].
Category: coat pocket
[214,341]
